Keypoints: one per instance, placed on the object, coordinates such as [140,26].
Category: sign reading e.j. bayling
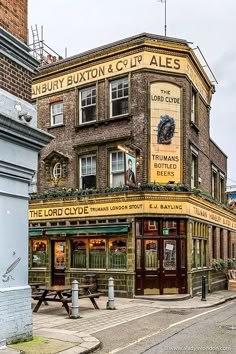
[165,154]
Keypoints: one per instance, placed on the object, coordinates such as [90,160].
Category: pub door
[161,266]
[58,262]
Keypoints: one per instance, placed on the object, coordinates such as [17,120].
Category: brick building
[20,142]
[142,101]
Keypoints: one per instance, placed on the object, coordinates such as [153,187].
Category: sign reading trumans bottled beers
[165,151]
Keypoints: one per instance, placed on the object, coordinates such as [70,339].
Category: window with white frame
[57,170]
[214,182]
[117,169]
[119,97]
[193,106]
[88,171]
[222,188]
[56,113]
[87,105]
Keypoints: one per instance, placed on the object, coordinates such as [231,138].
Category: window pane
[39,253]
[78,256]
[170,227]
[169,258]
[150,227]
[138,254]
[117,254]
[118,179]
[97,253]
[151,255]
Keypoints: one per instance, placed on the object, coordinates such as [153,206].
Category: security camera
[27,117]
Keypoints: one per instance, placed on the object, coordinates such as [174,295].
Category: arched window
[57,170]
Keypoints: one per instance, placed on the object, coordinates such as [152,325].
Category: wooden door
[160,266]
[58,262]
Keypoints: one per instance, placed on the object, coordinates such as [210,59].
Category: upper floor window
[222,188]
[88,105]
[193,106]
[56,113]
[88,171]
[214,183]
[117,168]
[119,95]
[194,168]
[57,170]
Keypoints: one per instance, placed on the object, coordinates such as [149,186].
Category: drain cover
[230,327]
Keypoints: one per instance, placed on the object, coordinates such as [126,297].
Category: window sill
[56,126]
[194,126]
[103,121]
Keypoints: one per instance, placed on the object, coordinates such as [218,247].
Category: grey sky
[210,24]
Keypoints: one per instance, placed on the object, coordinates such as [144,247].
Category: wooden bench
[91,296]
[231,277]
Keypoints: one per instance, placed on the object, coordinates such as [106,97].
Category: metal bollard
[111,299]
[203,288]
[75,300]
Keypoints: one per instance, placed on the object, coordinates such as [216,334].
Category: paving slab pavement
[60,334]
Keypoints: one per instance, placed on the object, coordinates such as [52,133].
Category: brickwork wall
[16,315]
[15,79]
[14,17]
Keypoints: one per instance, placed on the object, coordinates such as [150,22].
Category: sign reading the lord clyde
[165,154]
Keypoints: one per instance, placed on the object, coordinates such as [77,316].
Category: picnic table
[63,294]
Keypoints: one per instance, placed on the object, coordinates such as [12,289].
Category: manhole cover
[230,327]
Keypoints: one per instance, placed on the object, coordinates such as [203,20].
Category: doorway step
[174,297]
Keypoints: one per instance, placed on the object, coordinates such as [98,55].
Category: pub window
[222,244]
[213,242]
[88,171]
[39,253]
[78,253]
[182,227]
[198,253]
[117,254]
[150,227]
[204,253]
[214,183]
[119,96]
[193,253]
[117,169]
[87,105]
[56,113]
[138,254]
[169,227]
[194,168]
[97,253]
[233,250]
[138,227]
[151,257]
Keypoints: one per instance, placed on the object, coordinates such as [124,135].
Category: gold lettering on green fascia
[165,62]
[200,212]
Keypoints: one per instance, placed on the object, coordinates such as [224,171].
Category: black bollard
[203,288]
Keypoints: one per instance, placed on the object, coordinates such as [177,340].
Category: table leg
[94,303]
[41,300]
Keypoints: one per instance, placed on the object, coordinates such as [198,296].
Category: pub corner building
[132,186]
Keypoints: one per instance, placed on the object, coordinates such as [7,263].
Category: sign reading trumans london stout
[165,154]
